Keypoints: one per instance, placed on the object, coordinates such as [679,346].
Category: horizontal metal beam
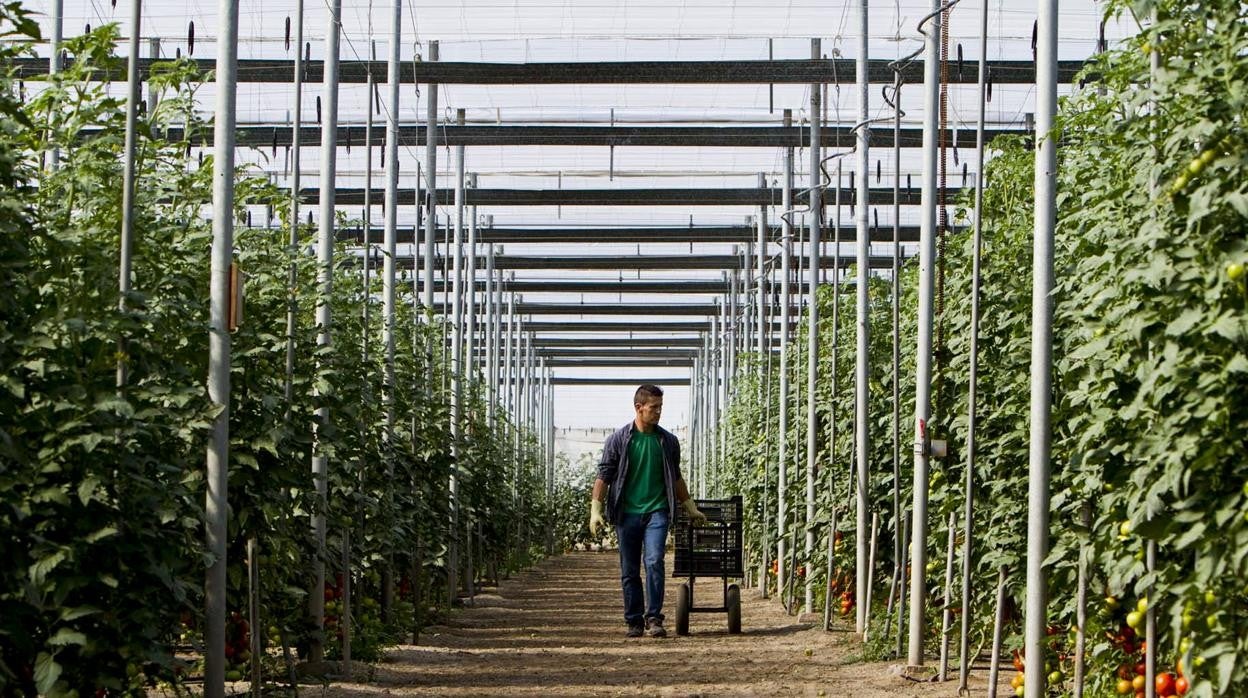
[681,234]
[655,342]
[622,353]
[714,287]
[411,135]
[630,309]
[629,262]
[642,309]
[642,326]
[742,196]
[639,362]
[620,380]
[836,71]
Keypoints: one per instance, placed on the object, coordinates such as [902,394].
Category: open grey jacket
[613,468]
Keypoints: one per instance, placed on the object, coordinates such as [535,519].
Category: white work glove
[697,517]
[595,517]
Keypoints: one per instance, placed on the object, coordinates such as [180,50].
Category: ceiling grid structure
[616,169]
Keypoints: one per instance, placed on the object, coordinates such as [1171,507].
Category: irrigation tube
[218,457]
[862,390]
[431,180]
[325,280]
[923,372]
[127,187]
[1041,343]
[812,333]
[968,523]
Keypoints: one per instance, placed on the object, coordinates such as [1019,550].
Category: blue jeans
[640,533]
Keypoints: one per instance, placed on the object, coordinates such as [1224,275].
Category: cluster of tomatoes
[1132,673]
[237,645]
[333,605]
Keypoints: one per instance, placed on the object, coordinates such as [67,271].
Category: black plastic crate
[712,550]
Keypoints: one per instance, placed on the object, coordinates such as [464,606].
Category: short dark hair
[646,393]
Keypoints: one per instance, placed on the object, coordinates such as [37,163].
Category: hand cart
[710,550]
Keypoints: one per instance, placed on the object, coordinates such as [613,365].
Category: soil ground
[558,630]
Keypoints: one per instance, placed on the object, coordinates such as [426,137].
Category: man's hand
[697,517]
[595,516]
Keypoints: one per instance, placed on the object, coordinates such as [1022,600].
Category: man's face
[648,412]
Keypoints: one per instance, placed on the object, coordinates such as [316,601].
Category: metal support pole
[470,294]
[968,523]
[216,504]
[786,305]
[862,363]
[998,622]
[812,335]
[295,148]
[1036,613]
[491,351]
[133,87]
[325,281]
[895,426]
[457,366]
[431,179]
[390,215]
[54,62]
[923,372]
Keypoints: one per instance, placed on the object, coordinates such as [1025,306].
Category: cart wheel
[733,601]
[684,601]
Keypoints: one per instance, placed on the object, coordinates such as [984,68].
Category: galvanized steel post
[923,372]
[862,374]
[216,502]
[1036,612]
[133,87]
[812,335]
[431,179]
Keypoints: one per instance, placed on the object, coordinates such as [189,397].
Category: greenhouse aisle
[556,630]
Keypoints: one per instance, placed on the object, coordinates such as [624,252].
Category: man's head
[648,402]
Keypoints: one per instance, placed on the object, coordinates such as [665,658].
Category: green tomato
[1134,619]
[1210,597]
[1195,166]
[1184,645]
[1235,272]
[1142,604]
[1208,155]
[1111,602]
[1124,528]
[1241,272]
[1055,677]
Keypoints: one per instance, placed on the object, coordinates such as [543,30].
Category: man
[640,465]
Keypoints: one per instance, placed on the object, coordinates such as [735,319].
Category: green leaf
[47,671]
[74,613]
[39,571]
[101,534]
[66,636]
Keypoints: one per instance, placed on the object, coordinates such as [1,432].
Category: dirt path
[558,630]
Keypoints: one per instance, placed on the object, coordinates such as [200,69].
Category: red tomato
[1141,669]
[1165,685]
[1180,686]
[1124,672]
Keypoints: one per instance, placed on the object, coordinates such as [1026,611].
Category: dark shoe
[635,631]
[654,627]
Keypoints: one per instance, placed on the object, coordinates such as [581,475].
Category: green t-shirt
[644,489]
